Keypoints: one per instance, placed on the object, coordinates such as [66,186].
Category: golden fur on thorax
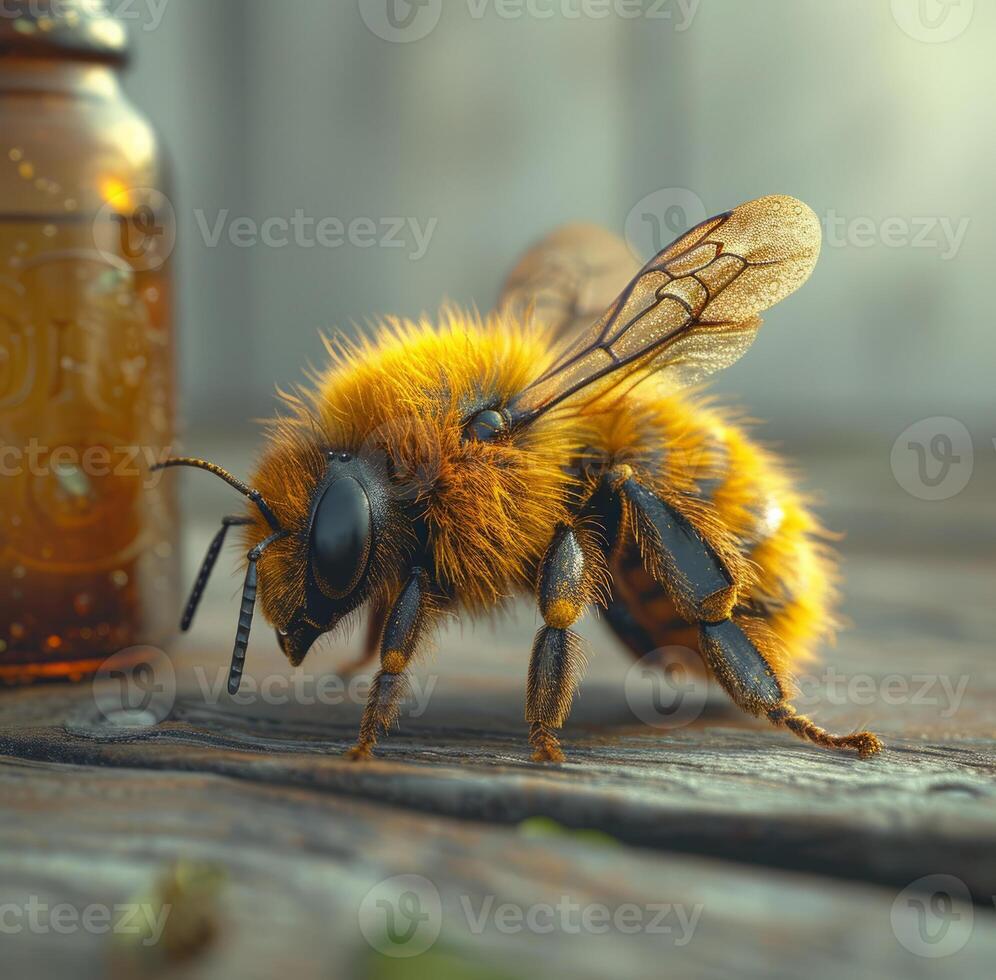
[404,395]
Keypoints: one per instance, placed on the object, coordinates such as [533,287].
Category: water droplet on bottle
[83,603]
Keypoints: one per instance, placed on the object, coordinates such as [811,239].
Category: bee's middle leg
[403,631]
[557,662]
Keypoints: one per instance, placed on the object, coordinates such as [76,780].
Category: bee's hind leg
[403,631]
[733,650]
[568,580]
[739,650]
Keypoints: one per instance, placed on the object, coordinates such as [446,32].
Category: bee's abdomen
[751,498]
[641,614]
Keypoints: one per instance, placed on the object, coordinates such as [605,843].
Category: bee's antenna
[202,464]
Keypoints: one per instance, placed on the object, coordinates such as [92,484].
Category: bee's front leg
[569,580]
[405,628]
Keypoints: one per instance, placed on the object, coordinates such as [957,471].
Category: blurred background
[447,137]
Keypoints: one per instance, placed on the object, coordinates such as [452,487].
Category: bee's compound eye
[485,426]
[341,537]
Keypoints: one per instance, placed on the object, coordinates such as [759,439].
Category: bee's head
[347,547]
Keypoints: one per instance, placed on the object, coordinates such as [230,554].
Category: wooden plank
[299,865]
[754,795]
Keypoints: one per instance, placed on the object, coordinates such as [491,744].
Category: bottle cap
[82,29]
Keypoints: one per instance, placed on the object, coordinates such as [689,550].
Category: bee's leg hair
[207,566]
[705,594]
[403,632]
[557,661]
[376,618]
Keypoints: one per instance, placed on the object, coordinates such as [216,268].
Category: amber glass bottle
[88,565]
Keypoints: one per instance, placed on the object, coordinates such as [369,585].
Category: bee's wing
[566,280]
[693,308]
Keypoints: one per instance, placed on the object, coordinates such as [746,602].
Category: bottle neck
[58,76]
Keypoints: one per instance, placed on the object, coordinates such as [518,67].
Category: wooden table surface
[711,844]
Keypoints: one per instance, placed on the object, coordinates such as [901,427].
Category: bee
[445,468]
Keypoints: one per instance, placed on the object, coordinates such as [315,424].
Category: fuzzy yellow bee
[446,467]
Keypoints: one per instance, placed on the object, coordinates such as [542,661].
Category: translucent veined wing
[693,308]
[565,281]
